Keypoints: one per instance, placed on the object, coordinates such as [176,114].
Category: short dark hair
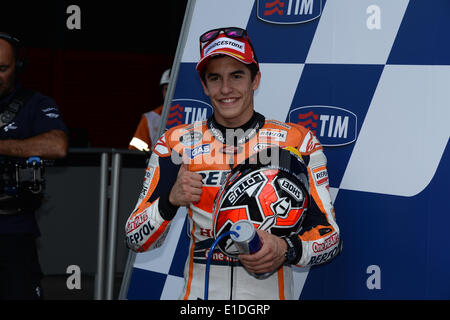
[252,67]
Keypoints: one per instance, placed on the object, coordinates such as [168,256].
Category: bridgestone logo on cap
[222,43]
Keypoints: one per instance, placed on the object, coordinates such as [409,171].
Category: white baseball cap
[165,77]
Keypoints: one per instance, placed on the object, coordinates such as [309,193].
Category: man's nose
[226,87]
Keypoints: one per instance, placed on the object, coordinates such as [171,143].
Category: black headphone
[19,50]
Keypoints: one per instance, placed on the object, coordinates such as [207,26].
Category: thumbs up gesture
[187,187]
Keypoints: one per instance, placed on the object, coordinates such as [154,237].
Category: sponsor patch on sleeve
[320,175]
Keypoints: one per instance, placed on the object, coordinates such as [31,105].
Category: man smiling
[230,88]
[229,73]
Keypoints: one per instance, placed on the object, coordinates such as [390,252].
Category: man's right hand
[187,187]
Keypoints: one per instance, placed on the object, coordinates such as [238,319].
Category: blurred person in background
[30,126]
[148,128]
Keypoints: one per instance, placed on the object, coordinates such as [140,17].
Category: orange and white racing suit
[202,144]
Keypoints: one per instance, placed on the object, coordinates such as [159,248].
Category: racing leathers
[206,148]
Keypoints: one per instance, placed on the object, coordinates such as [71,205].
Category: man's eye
[238,75]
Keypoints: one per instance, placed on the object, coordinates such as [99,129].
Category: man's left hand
[269,257]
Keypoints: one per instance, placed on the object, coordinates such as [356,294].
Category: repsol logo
[321,258]
[333,126]
[138,236]
[289,11]
[213,178]
[184,111]
[320,175]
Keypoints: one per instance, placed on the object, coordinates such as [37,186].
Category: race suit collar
[235,136]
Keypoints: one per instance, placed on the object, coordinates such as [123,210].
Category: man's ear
[205,88]
[256,81]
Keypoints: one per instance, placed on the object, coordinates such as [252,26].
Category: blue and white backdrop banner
[371,78]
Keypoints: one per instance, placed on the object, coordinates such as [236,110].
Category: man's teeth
[228,100]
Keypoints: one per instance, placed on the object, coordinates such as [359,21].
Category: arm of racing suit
[319,239]
[148,224]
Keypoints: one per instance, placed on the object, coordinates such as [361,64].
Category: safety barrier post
[112,234]
[103,200]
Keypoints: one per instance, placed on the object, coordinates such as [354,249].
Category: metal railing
[108,207]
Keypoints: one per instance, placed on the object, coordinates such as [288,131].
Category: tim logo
[333,126]
[289,11]
[187,111]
